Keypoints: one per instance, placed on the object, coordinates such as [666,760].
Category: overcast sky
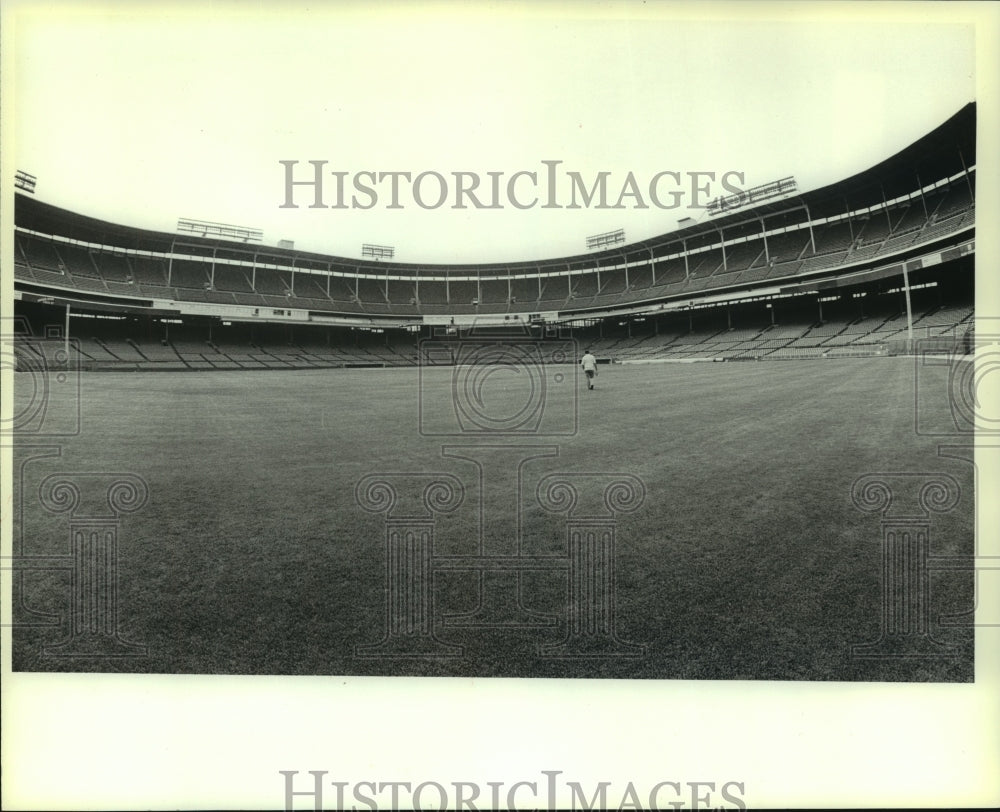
[146,117]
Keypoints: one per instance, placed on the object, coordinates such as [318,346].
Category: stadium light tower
[766,191]
[206,228]
[377,251]
[607,238]
[25,182]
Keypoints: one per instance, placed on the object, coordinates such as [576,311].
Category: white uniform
[589,364]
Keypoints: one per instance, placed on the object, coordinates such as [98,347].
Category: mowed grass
[747,560]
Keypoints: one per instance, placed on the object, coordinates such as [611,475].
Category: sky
[143,115]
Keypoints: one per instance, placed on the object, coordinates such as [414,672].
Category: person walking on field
[589,364]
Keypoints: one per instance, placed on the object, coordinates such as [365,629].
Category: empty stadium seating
[580,283]
[828,261]
[231,278]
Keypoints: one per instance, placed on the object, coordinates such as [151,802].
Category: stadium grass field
[747,560]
